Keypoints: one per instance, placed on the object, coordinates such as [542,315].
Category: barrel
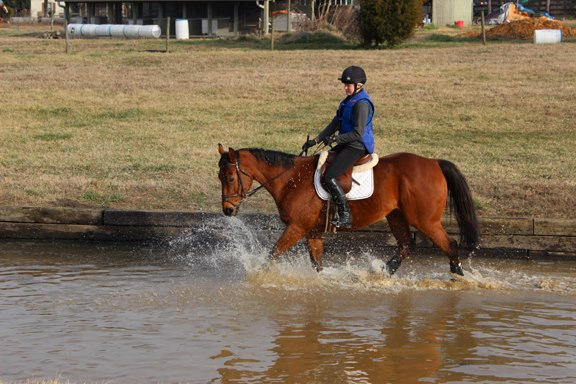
[547,36]
[182,31]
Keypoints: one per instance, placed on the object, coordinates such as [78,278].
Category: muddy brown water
[215,313]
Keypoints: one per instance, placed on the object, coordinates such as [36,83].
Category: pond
[195,312]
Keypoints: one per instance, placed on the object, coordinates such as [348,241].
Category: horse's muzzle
[230,211]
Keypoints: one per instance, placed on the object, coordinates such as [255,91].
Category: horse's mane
[274,158]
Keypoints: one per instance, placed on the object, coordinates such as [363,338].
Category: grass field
[121,123]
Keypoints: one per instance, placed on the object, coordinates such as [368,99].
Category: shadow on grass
[285,41]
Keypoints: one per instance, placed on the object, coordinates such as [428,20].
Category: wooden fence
[557,8]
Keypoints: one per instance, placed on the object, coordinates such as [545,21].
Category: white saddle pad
[362,182]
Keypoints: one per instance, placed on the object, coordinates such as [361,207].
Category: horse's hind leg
[315,249]
[448,245]
[401,231]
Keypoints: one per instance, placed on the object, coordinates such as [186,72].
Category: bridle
[242,193]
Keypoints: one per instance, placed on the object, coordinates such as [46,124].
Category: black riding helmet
[353,75]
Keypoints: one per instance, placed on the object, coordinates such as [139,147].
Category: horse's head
[235,181]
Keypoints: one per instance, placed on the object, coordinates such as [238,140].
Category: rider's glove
[329,140]
[308,144]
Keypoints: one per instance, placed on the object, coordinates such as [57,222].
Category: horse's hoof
[456,269]
[392,265]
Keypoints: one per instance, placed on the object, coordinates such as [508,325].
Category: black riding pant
[345,157]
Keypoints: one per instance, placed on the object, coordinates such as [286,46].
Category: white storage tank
[182,30]
[547,36]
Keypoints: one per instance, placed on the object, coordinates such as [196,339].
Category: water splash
[227,243]
[238,248]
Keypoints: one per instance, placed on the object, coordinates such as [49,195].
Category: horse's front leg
[315,249]
[287,240]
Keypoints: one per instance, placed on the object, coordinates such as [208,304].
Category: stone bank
[517,237]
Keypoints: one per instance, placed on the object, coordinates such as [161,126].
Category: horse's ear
[221,149]
[231,155]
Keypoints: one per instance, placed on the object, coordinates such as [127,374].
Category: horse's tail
[461,201]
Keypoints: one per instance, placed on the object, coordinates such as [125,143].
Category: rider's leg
[345,158]
[344,219]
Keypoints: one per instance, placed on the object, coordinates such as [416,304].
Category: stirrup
[342,223]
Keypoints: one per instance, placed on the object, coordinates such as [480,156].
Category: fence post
[483,29]
[167,33]
[66,36]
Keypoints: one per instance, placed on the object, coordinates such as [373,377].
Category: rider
[353,122]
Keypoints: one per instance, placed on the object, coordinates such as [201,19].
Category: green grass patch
[122,114]
[32,193]
[102,199]
[53,136]
[53,112]
[150,168]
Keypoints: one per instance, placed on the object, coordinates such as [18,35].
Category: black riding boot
[344,219]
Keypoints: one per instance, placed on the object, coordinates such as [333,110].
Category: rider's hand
[308,144]
[329,140]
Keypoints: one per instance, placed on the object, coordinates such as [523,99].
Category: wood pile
[523,29]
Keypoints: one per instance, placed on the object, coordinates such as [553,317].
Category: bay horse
[409,190]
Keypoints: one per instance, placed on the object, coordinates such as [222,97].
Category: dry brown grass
[118,123]
[40,381]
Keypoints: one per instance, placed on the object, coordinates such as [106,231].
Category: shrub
[388,21]
[341,20]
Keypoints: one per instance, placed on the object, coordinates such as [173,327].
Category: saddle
[345,180]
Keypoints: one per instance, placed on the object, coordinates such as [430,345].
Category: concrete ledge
[503,226]
[153,218]
[522,236]
[86,232]
[51,215]
[549,227]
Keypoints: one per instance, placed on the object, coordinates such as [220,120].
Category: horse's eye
[231,179]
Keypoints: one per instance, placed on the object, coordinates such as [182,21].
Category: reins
[245,195]
[318,149]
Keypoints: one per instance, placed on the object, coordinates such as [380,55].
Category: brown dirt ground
[523,29]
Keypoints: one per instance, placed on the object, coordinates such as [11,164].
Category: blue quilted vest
[345,118]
